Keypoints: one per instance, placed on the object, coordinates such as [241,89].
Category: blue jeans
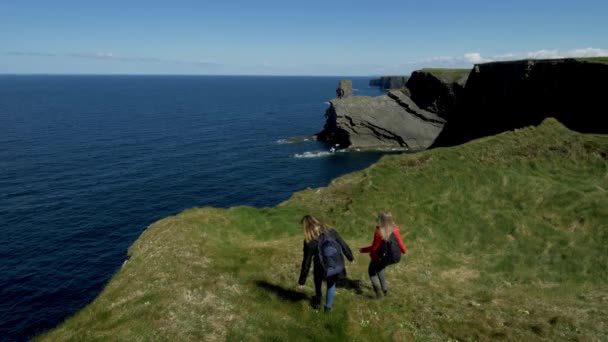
[331,289]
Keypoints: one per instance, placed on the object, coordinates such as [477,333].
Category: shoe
[378,295]
[316,303]
[326,309]
[385,292]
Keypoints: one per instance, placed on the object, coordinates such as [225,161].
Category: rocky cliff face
[496,97]
[383,122]
[437,90]
[504,96]
[389,82]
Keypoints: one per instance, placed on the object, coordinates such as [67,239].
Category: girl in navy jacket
[313,230]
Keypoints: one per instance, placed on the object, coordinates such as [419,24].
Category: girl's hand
[300,287]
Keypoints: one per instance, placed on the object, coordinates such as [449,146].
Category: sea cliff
[389,82]
[391,121]
[446,107]
[506,233]
[437,90]
[503,96]
[506,238]
[409,118]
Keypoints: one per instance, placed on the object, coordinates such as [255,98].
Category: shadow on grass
[355,285]
[281,292]
[294,296]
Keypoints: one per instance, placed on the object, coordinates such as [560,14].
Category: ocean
[88,162]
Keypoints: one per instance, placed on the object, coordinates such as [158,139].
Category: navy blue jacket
[311,255]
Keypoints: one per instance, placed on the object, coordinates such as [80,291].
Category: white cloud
[505,56]
[587,52]
[104,55]
[543,54]
[474,58]
[468,59]
[30,53]
[109,56]
[96,55]
[440,59]
[552,54]
[403,68]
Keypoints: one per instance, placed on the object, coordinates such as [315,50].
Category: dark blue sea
[88,162]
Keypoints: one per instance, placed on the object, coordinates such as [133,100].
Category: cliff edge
[506,238]
[503,96]
[389,82]
[438,90]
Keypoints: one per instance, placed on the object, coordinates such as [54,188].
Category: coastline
[182,278]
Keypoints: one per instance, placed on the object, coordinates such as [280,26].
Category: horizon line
[178,74]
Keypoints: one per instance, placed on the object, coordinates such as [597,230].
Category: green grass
[448,75]
[593,59]
[507,239]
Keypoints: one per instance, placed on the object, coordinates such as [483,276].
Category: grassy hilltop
[448,75]
[507,240]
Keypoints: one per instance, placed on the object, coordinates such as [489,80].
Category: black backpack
[330,255]
[389,251]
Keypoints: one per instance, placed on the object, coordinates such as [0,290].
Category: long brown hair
[312,227]
[385,224]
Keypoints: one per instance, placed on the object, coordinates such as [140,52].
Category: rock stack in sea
[345,89]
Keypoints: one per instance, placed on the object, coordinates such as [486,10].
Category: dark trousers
[376,275]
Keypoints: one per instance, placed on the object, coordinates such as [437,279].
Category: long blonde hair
[385,224]
[312,227]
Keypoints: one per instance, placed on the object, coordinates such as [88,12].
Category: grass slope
[593,59]
[507,240]
[448,75]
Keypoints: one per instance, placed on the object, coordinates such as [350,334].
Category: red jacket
[372,250]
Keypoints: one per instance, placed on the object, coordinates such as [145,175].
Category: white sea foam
[293,140]
[315,154]
[327,103]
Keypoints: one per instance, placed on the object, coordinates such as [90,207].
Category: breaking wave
[294,140]
[315,154]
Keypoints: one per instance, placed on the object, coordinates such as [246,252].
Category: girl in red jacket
[384,231]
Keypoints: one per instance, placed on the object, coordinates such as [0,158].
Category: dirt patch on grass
[415,162]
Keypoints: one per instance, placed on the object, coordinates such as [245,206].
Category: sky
[342,38]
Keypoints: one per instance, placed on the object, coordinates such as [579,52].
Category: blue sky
[290,38]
